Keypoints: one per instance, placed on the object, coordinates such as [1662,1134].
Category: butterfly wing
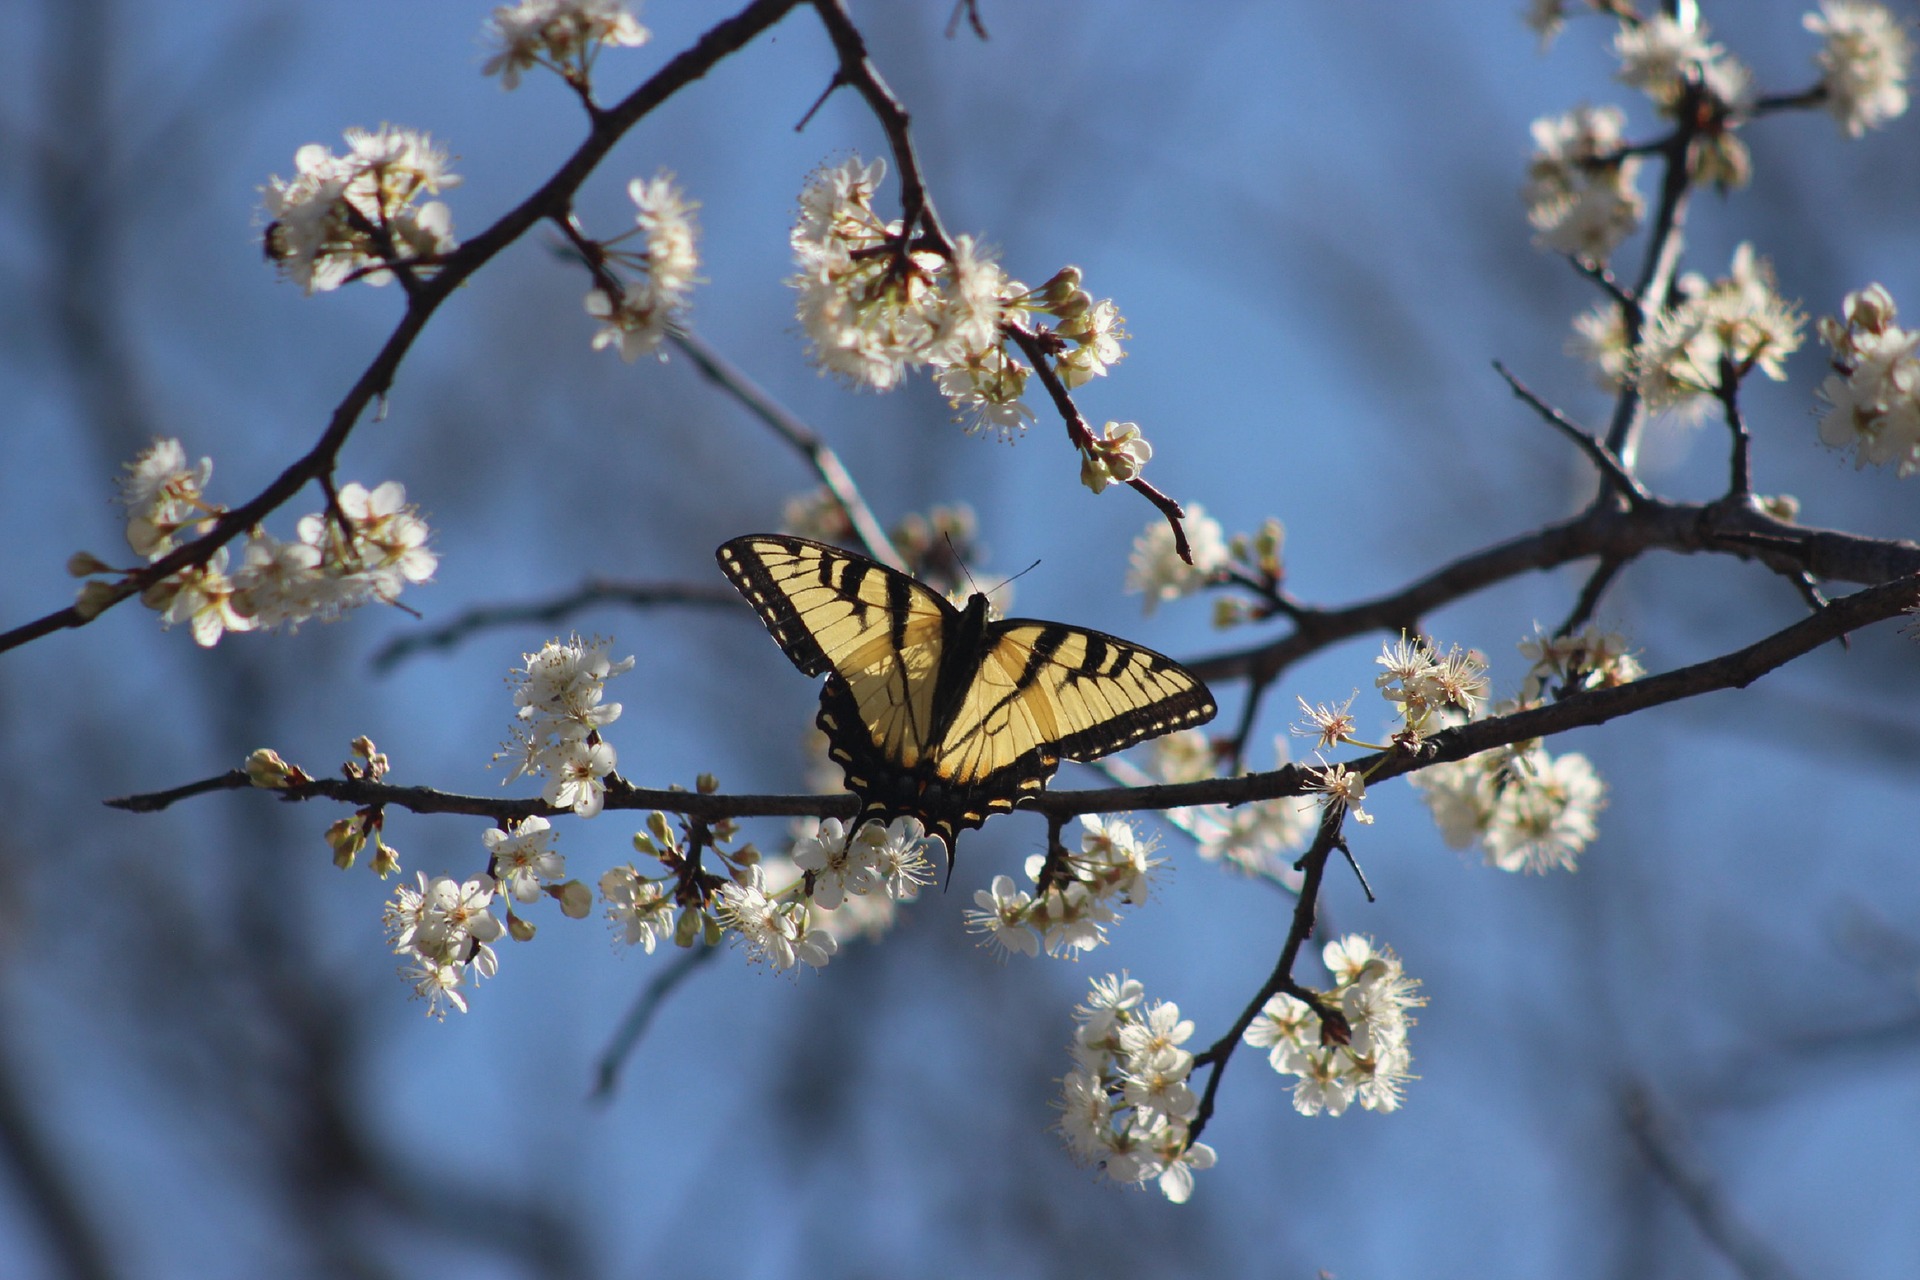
[1046,691]
[876,630]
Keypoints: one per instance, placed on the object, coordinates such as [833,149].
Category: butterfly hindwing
[935,712]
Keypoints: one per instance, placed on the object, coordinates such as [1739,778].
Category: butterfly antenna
[1006,582]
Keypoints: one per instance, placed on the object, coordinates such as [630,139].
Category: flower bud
[575,899]
[92,598]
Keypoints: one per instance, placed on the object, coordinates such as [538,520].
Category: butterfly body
[943,714]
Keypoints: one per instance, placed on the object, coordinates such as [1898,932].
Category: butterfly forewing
[832,611]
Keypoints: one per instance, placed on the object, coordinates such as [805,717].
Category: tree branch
[1590,707]
[551,200]
[595,591]
[1603,531]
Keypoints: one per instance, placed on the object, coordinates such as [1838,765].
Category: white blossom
[1582,193]
[354,216]
[446,928]
[1001,917]
[1529,810]
[1873,397]
[522,860]
[1863,64]
[1156,569]
[1375,997]
[1127,1104]
[779,932]
[640,910]
[652,300]
[1739,318]
[162,495]
[562,34]
[1115,456]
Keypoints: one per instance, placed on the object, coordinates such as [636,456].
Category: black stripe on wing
[763,569]
[1154,694]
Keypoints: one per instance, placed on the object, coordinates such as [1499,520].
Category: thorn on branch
[839,81]
[1346,851]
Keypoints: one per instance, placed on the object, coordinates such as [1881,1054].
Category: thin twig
[917,210]
[1610,466]
[825,462]
[858,71]
[1080,431]
[1346,851]
[1596,586]
[1740,479]
[1669,1155]
[1664,244]
[606,1072]
[635,595]
[1602,530]
[1314,866]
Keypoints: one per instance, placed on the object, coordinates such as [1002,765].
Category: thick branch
[1597,706]
[1603,531]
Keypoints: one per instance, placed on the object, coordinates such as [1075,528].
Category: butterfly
[939,713]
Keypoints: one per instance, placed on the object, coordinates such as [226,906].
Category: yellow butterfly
[939,713]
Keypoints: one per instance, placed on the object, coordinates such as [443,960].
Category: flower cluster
[1529,810]
[1738,320]
[1566,664]
[1114,457]
[559,694]
[1430,690]
[1361,1057]
[522,860]
[639,908]
[1126,1105]
[875,305]
[780,932]
[1155,568]
[1582,193]
[640,315]
[1259,838]
[838,884]
[563,35]
[872,306]
[1076,903]
[1662,56]
[1863,64]
[367,549]
[1873,397]
[446,928]
[866,915]
[887,860]
[349,217]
